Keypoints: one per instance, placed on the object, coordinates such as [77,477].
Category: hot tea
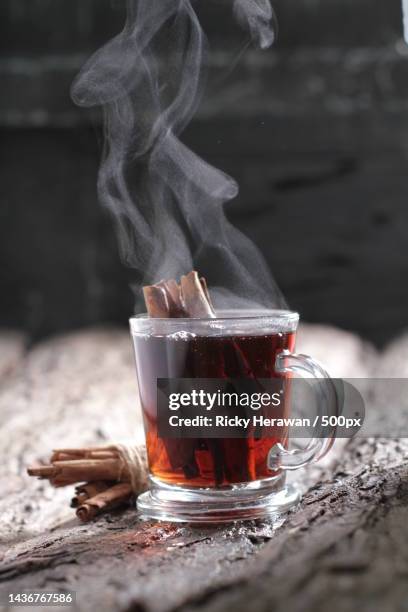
[184,347]
[201,462]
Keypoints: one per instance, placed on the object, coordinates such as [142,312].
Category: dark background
[315,131]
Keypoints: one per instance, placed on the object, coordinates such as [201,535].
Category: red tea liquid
[206,462]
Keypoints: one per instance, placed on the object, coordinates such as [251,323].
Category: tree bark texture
[345,547]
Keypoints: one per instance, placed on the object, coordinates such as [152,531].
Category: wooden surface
[344,548]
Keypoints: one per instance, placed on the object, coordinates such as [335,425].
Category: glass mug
[207,480]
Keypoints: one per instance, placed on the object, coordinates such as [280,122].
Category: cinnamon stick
[63,473]
[195,296]
[112,498]
[174,298]
[68,454]
[156,299]
[204,287]
[87,491]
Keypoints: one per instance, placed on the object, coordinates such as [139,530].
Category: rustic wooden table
[344,548]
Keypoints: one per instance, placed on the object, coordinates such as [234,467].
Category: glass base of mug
[249,501]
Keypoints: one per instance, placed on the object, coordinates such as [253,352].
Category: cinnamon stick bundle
[111,476]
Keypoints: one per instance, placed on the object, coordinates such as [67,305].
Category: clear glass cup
[224,479]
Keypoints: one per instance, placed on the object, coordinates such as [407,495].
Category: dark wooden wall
[315,130]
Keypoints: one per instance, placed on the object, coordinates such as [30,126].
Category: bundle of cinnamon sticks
[104,473]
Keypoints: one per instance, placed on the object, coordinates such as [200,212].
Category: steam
[166,201]
[257,15]
[405,19]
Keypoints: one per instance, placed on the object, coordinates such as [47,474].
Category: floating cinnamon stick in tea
[189,299]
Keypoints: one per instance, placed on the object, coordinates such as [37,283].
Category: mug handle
[327,403]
